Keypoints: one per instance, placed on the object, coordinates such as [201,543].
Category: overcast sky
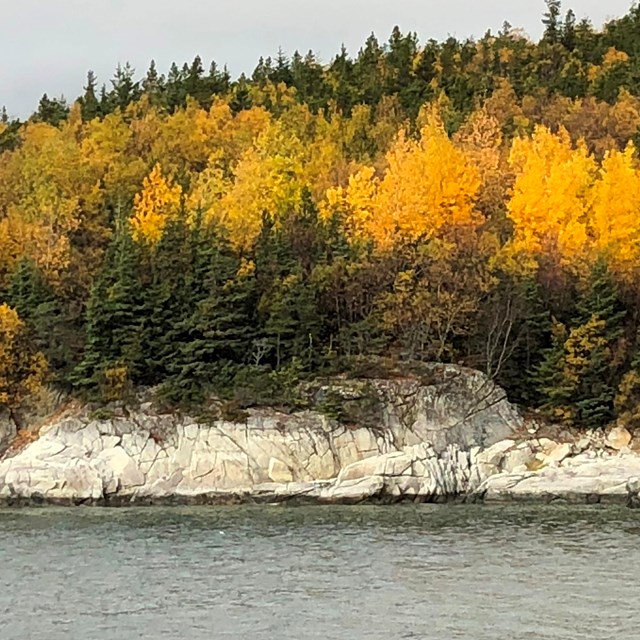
[48,45]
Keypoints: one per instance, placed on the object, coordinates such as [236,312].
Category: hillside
[469,202]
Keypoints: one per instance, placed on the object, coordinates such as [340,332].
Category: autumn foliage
[475,202]
[22,369]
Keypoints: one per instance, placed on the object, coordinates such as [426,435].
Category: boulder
[557,454]
[618,438]
[586,480]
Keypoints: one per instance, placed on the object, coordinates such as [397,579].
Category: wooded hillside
[459,201]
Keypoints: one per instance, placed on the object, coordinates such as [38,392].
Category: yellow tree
[356,204]
[437,298]
[615,217]
[45,189]
[429,186]
[186,138]
[504,106]
[209,188]
[268,179]
[109,149]
[481,140]
[154,206]
[551,196]
[22,369]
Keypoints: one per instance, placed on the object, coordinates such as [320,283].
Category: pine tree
[125,89]
[153,85]
[217,336]
[286,256]
[555,390]
[45,317]
[52,111]
[596,393]
[240,95]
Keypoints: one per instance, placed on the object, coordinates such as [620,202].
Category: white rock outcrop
[450,435]
[421,445]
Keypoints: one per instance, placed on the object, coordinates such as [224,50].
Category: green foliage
[360,408]
[113,358]
[232,411]
[332,405]
[48,319]
[581,371]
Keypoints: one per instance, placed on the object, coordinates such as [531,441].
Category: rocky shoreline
[448,436]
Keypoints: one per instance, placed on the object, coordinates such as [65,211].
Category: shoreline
[453,439]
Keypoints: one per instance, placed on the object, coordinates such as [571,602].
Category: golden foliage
[115,382]
[154,206]
[434,301]
[551,195]
[268,179]
[613,57]
[627,400]
[429,185]
[481,140]
[22,369]
[615,218]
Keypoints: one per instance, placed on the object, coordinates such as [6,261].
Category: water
[340,573]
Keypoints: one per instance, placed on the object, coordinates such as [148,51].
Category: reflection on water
[346,573]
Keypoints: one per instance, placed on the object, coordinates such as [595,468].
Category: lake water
[347,573]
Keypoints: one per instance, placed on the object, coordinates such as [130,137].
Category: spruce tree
[167,298]
[551,21]
[596,392]
[579,375]
[215,339]
[48,325]
[114,319]
[89,102]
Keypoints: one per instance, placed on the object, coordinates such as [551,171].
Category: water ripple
[446,572]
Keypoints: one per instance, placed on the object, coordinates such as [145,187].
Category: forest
[467,201]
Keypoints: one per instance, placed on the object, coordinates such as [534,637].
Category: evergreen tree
[52,111]
[175,92]
[217,82]
[282,70]
[285,260]
[218,334]
[341,77]
[195,84]
[569,31]
[551,21]
[596,393]
[47,319]
[240,95]
[369,70]
[89,102]
[153,85]
[113,355]
[125,89]
[579,375]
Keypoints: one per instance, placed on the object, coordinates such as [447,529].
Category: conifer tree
[580,373]
[114,321]
[551,21]
[45,318]
[216,337]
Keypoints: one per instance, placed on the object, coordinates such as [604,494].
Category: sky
[47,46]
